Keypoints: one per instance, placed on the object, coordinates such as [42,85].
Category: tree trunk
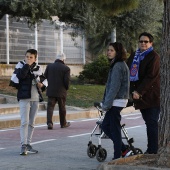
[164,123]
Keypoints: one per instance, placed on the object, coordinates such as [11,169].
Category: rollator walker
[99,151]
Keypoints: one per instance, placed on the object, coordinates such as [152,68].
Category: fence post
[7,38]
[61,25]
[36,39]
[113,35]
[84,48]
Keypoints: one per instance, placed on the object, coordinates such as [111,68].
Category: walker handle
[97,104]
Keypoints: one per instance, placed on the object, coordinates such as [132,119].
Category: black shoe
[66,125]
[146,152]
[30,149]
[50,126]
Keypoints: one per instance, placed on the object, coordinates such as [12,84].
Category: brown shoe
[50,126]
[66,125]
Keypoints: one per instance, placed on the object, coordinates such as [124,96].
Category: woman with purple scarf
[144,67]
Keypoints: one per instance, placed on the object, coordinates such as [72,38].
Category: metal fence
[16,38]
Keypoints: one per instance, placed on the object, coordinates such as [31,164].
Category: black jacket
[25,82]
[58,77]
[22,79]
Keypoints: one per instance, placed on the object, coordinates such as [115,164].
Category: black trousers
[151,117]
[112,128]
[62,110]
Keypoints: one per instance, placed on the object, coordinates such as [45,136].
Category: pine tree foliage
[147,17]
[33,10]
[113,7]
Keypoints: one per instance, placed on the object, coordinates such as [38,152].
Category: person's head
[61,56]
[117,51]
[145,41]
[31,56]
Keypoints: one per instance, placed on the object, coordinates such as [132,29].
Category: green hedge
[96,71]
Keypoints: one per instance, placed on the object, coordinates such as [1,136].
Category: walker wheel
[138,151]
[91,151]
[101,154]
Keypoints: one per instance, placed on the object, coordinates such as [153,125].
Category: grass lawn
[78,95]
[84,95]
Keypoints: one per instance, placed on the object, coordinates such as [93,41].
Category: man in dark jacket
[58,76]
[144,67]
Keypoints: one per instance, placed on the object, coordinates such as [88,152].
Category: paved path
[64,149]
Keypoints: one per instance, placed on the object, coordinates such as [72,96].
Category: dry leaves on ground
[149,160]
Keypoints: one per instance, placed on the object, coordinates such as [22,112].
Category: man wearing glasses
[144,67]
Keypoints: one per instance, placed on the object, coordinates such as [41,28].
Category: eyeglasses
[143,42]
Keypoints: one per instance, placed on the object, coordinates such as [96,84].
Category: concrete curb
[9,99]
[15,122]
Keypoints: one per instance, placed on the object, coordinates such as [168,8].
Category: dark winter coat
[25,82]
[23,76]
[148,85]
[58,77]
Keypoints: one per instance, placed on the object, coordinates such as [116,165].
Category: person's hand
[104,109]
[101,104]
[136,95]
[40,85]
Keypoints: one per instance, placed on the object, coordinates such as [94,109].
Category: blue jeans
[112,128]
[151,117]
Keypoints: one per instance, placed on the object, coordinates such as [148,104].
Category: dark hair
[147,35]
[120,51]
[32,51]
